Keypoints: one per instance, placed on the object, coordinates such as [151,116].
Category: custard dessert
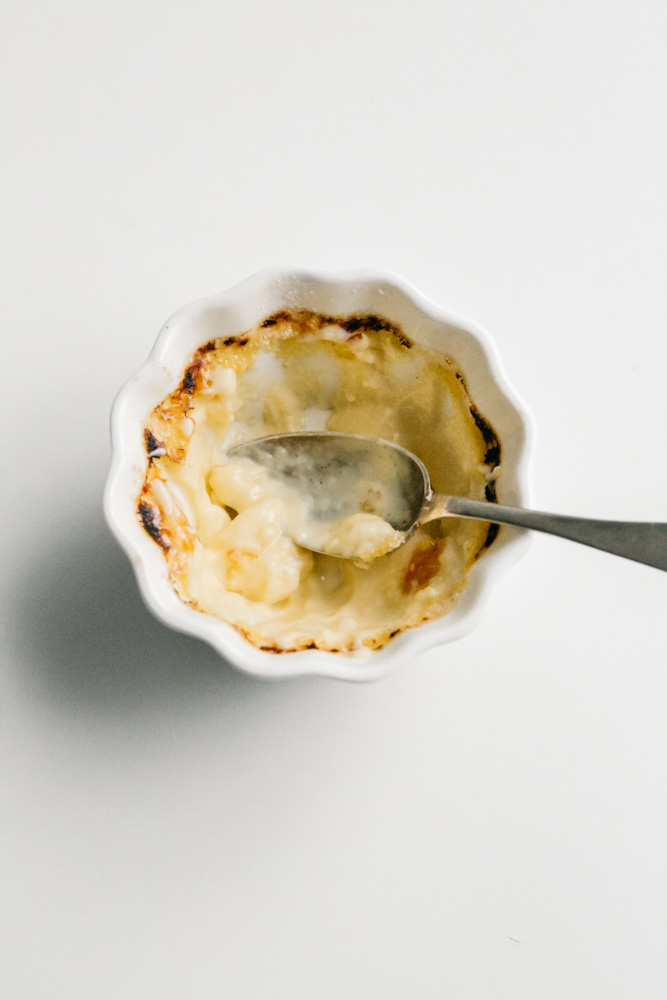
[222,524]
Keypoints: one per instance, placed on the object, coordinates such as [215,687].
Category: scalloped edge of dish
[239,308]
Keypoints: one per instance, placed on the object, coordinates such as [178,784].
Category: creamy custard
[362,536]
[223,525]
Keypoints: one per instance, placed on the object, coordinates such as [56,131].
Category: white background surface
[490,822]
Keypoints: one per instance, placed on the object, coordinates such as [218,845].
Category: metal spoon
[342,474]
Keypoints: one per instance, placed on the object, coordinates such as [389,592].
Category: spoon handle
[643,541]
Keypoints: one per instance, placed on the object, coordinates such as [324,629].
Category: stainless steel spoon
[342,474]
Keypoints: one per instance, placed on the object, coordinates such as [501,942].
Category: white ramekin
[336,293]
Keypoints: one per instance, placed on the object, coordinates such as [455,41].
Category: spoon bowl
[338,476]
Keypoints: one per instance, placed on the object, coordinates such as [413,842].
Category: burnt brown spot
[207,348]
[491,536]
[372,324]
[354,323]
[150,518]
[423,566]
[189,383]
[492,454]
[242,341]
[277,317]
[490,493]
[152,443]
[357,324]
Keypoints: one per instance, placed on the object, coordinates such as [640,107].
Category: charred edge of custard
[276,317]
[192,376]
[491,459]
[180,402]
[356,324]
[491,536]
[151,442]
[267,647]
[279,650]
[492,454]
[373,644]
[150,519]
[372,324]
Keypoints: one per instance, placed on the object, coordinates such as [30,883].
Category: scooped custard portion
[221,524]
[361,536]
